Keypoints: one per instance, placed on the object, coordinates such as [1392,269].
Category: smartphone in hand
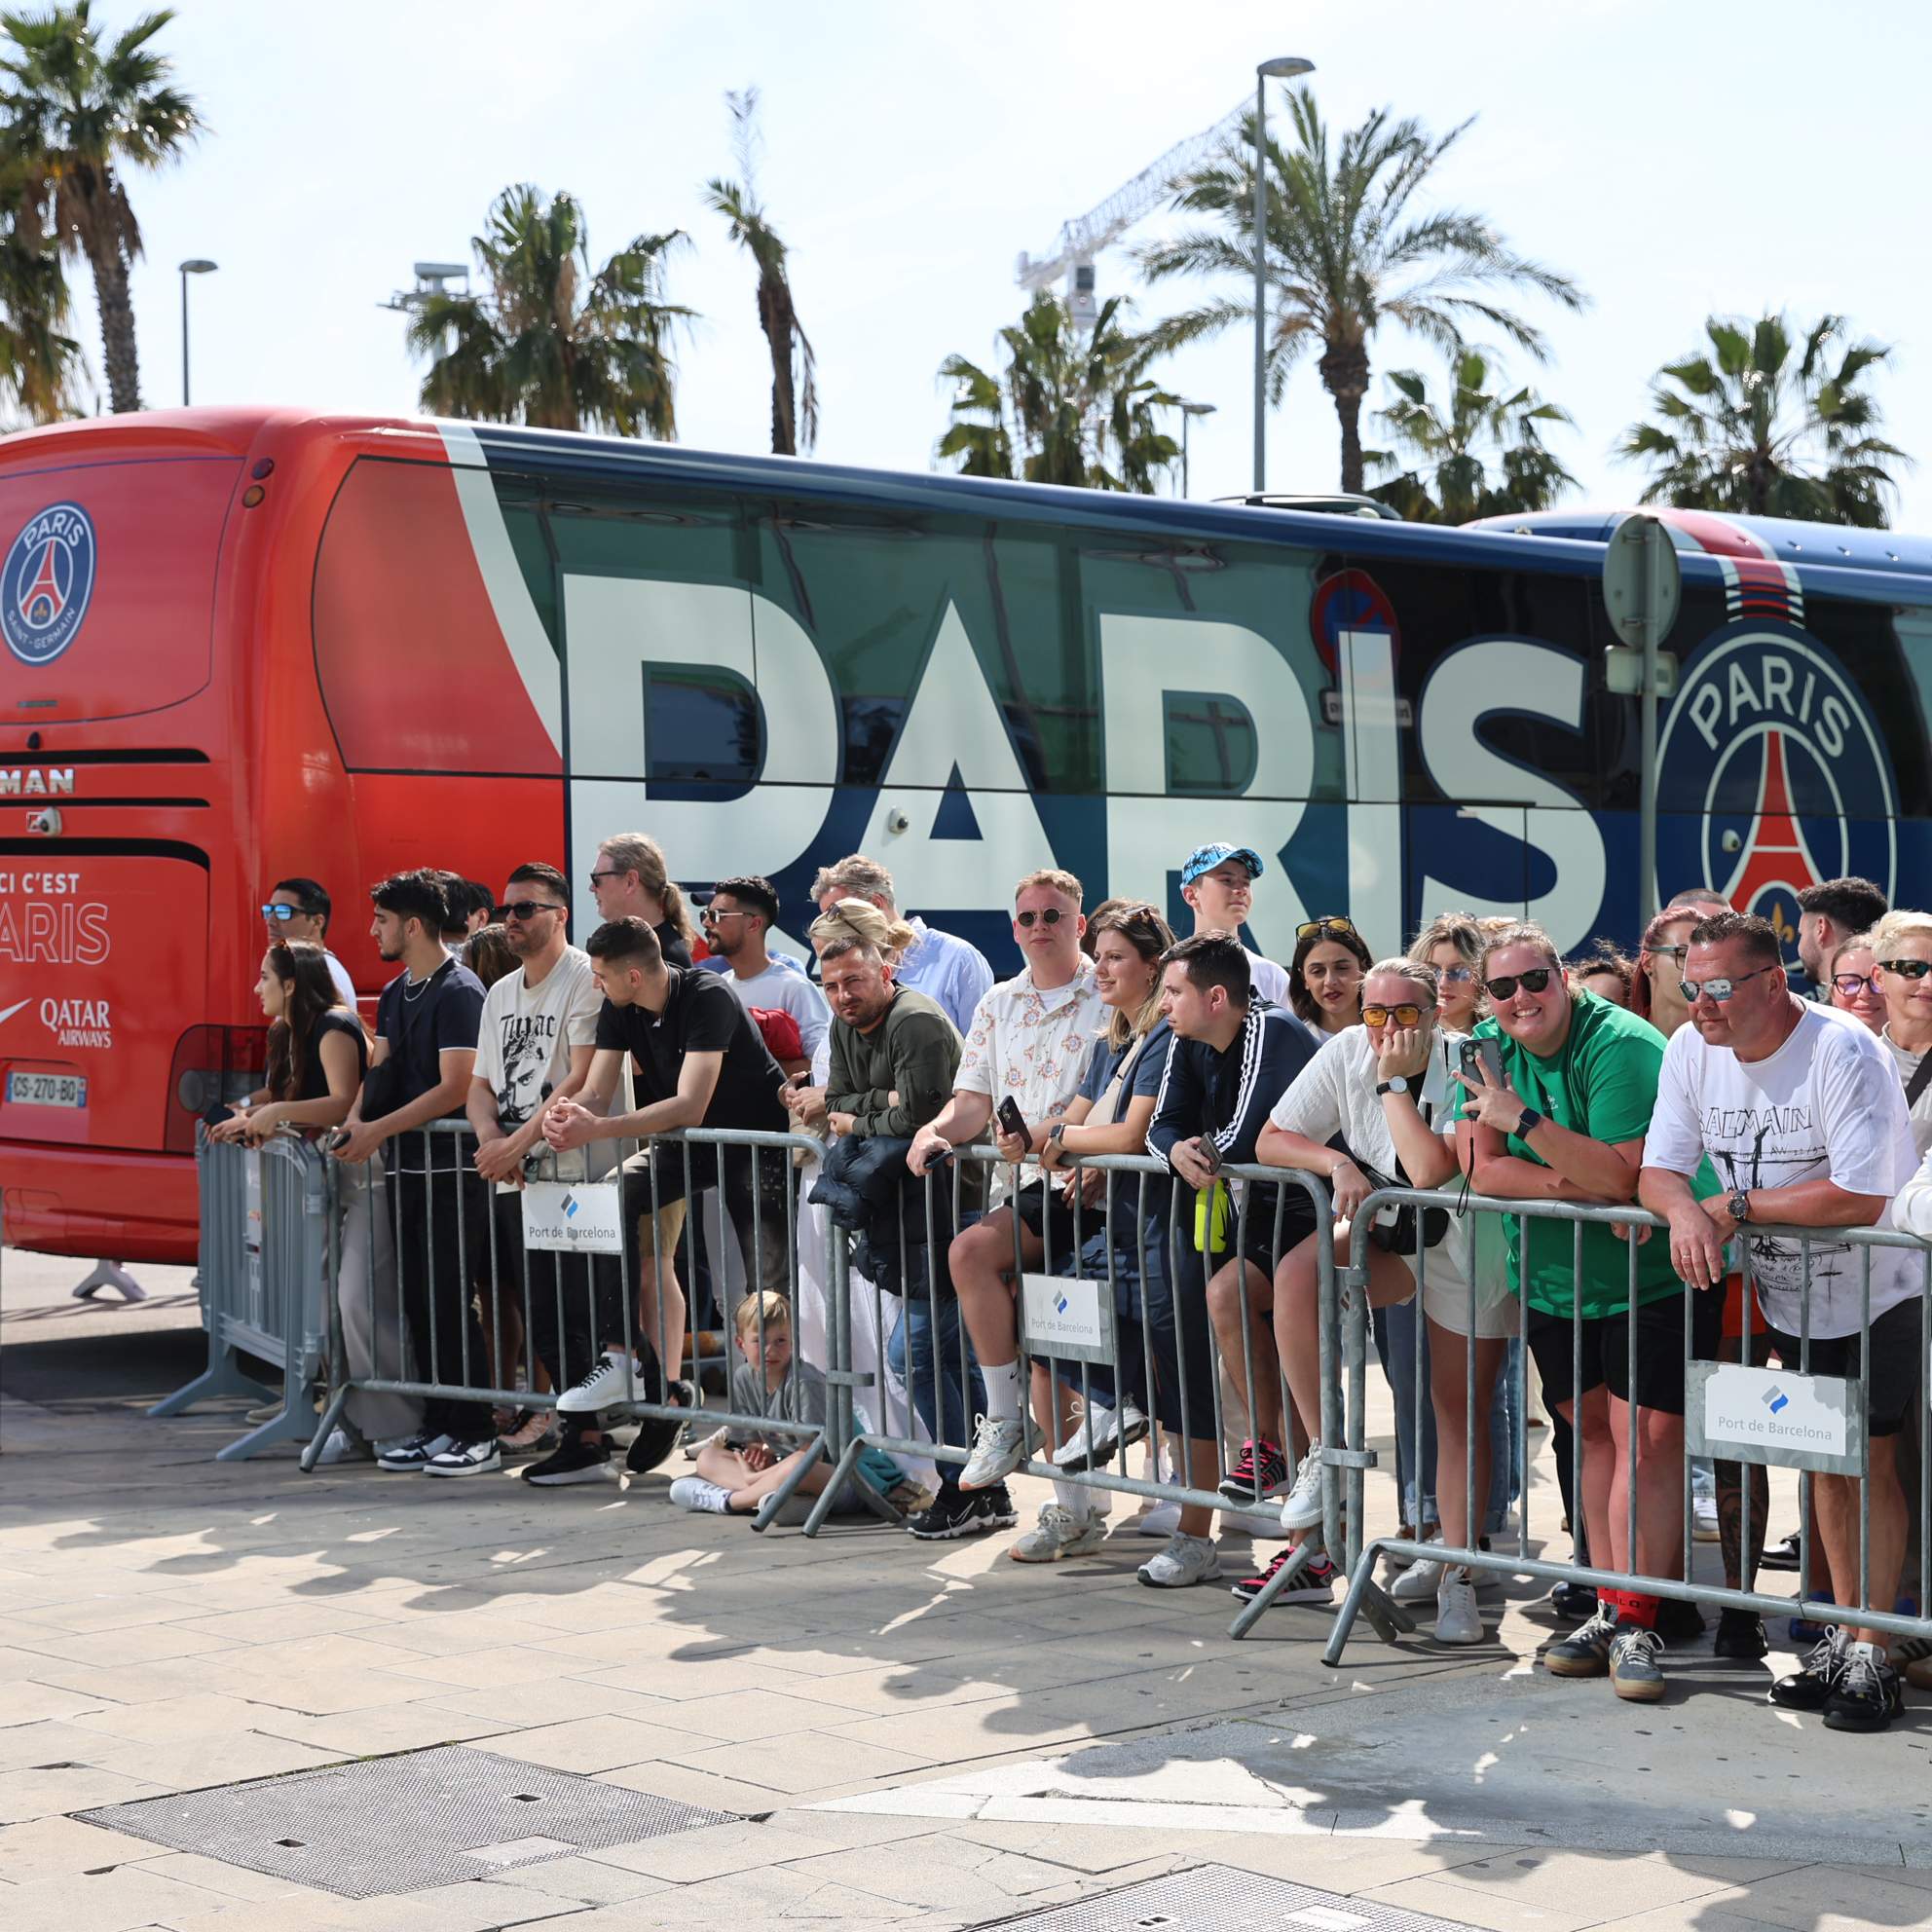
[1013,1123]
[1211,1155]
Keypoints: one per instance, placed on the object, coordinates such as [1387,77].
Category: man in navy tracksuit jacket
[1234,1056]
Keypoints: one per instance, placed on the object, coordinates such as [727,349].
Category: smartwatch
[1529,1123]
[1398,1084]
[1739,1204]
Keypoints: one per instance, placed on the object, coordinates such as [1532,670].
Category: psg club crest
[46,583]
[1773,776]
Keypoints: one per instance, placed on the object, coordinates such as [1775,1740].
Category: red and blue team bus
[239,645]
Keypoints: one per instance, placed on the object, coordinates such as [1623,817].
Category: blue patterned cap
[1205,858]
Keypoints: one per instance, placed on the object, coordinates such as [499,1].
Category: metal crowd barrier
[487,1296]
[266,1255]
[1363,1594]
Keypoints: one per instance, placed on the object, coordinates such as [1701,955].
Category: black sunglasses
[595,877]
[1908,969]
[1052,917]
[527,908]
[1536,980]
[282,914]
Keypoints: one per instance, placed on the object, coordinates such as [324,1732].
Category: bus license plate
[47,1090]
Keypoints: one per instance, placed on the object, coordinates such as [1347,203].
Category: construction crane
[1079,241]
[431,279]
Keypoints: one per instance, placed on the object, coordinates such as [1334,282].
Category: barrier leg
[1365,1597]
[1250,1610]
[223,1376]
[786,1490]
[325,1428]
[110,1274]
[842,1474]
[290,1426]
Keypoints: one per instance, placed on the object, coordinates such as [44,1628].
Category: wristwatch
[1529,1123]
[1398,1084]
[1739,1204]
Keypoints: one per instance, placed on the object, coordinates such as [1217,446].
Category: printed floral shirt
[1032,1045]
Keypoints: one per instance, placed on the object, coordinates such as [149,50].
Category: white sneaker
[1059,1533]
[1420,1583]
[1183,1561]
[1158,1519]
[1704,1517]
[1098,1438]
[611,1382]
[695,1493]
[1457,1617]
[414,1452]
[344,1447]
[481,1457]
[999,1449]
[1302,1510]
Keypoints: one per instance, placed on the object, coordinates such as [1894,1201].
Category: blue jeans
[924,1351]
[1402,1342]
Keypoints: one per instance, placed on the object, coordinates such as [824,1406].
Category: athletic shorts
[1606,1351]
[1893,1386]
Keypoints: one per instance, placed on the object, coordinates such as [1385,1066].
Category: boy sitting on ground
[739,1468]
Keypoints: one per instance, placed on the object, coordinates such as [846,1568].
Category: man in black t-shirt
[699,1061]
[419,1071]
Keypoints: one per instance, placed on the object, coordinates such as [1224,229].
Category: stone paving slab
[924,1736]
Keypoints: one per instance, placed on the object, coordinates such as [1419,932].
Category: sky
[1673,159]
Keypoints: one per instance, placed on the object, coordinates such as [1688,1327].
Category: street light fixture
[196,266]
[1284,69]
[1187,410]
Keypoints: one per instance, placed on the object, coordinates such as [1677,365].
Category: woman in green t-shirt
[1567,1122]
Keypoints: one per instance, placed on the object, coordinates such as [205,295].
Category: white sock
[1002,1392]
[1074,1496]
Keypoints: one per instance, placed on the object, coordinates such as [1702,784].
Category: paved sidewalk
[913,1735]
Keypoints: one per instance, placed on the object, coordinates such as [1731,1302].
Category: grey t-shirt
[800,1397]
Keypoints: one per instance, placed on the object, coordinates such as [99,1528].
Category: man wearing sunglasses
[537,1037]
[1800,1110]
[299,909]
[1566,1121]
[1028,1042]
[740,914]
[1217,882]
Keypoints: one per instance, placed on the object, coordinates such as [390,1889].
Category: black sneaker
[952,1513]
[1315,1584]
[1575,1600]
[1740,1636]
[1868,1694]
[1261,1470]
[1813,1683]
[1782,1555]
[572,1461]
[1678,1621]
[656,1437]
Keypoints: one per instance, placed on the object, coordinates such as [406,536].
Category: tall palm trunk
[774,317]
[117,326]
[1344,376]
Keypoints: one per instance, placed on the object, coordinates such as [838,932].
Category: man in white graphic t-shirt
[1799,1111]
[533,1046]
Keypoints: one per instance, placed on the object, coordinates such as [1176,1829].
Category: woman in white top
[1900,949]
[1383,1088]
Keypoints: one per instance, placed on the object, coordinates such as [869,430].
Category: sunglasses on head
[1408,1013]
[1720,989]
[1052,917]
[1321,928]
[1908,969]
[1536,980]
[282,914]
[525,908]
[1852,985]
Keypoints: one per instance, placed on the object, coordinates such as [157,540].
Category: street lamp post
[1187,410]
[1284,69]
[195,267]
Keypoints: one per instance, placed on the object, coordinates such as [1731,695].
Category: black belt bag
[1413,1229]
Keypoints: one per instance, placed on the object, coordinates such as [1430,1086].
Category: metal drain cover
[403,1824]
[1217,1898]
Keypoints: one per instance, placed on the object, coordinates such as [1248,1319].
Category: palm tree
[1066,405]
[1754,427]
[77,116]
[793,368]
[548,342]
[1345,255]
[40,365]
[1483,456]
